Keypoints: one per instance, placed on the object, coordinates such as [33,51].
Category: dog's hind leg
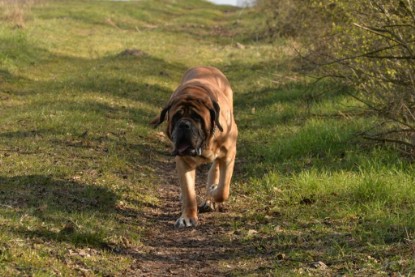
[220,193]
[213,180]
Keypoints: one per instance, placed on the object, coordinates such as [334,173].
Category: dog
[202,129]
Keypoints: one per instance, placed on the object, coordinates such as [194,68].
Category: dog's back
[211,76]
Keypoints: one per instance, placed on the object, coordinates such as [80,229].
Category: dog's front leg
[187,178]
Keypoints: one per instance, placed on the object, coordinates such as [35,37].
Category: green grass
[77,156]
[319,192]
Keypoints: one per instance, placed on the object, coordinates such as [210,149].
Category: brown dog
[202,129]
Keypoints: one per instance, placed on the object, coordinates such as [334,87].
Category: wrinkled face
[188,127]
[192,117]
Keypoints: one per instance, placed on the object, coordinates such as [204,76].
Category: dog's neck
[205,145]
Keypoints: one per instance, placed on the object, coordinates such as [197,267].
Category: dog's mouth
[183,147]
[187,140]
[186,149]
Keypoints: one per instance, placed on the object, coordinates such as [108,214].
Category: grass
[77,154]
[334,197]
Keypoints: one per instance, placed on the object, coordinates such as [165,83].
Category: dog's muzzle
[186,139]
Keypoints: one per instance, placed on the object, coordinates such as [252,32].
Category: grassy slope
[75,146]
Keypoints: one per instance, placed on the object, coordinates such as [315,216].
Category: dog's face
[188,129]
[191,118]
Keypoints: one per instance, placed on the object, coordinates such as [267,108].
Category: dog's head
[192,117]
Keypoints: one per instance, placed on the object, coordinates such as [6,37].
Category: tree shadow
[135,16]
[34,191]
[51,202]
[118,76]
[6,76]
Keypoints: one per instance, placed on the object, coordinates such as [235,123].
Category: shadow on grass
[281,132]
[118,76]
[125,76]
[35,191]
[6,76]
[52,201]
[298,245]
[57,210]
[200,20]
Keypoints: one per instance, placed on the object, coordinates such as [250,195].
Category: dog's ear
[159,119]
[214,113]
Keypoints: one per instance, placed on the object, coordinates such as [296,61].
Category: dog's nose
[184,125]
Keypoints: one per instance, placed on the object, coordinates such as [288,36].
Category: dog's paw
[216,195]
[184,221]
[206,207]
[212,189]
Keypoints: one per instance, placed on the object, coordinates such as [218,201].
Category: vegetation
[367,45]
[87,187]
[373,51]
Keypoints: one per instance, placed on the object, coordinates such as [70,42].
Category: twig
[390,140]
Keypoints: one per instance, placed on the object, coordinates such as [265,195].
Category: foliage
[369,45]
[372,49]
[288,18]
[87,187]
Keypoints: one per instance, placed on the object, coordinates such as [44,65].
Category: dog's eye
[176,117]
[196,116]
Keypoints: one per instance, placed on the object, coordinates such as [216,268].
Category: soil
[168,251]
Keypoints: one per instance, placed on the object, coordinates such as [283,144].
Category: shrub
[369,45]
[372,49]
[289,18]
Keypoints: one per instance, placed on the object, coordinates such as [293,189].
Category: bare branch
[381,139]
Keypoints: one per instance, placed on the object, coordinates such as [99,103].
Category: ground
[88,187]
[169,251]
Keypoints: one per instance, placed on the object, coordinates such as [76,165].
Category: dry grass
[87,186]
[16,12]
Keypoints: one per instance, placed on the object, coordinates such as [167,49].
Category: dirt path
[169,251]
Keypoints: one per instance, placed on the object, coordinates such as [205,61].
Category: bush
[369,45]
[289,18]
[372,49]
